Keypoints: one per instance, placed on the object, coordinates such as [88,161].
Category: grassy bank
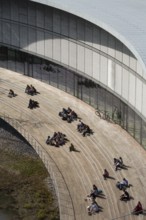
[23,189]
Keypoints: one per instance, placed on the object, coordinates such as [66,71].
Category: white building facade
[94,62]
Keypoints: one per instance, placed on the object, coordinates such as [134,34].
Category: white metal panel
[132,89]
[103,69]
[125,84]
[40,16]
[123,19]
[126,58]
[111,74]
[6,27]
[64,51]
[96,65]
[23,37]
[118,79]
[73,55]
[15,35]
[138,94]
[88,61]
[64,24]
[81,30]
[96,37]
[133,62]
[48,45]
[88,34]
[139,68]
[56,48]
[144,99]
[32,35]
[40,42]
[104,41]
[56,21]
[111,45]
[80,58]
[119,50]
[72,26]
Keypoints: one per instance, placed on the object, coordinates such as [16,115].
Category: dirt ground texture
[26,190]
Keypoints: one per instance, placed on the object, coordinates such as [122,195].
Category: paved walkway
[75,172]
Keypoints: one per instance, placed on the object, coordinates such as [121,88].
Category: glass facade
[76,85]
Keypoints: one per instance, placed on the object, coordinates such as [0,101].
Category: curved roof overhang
[121,18]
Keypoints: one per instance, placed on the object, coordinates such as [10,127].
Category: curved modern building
[94,50]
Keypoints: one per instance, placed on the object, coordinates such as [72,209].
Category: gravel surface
[11,140]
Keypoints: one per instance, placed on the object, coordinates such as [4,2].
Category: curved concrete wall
[77,44]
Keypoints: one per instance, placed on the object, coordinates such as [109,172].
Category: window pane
[101,98]
[144,134]
[130,123]
[138,122]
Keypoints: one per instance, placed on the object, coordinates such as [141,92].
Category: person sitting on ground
[117,164]
[71,148]
[30,105]
[118,185]
[27,89]
[123,184]
[11,93]
[138,209]
[125,196]
[106,174]
[95,191]
[69,110]
[86,130]
[93,208]
[33,104]
[48,140]
[121,160]
[81,126]
[33,90]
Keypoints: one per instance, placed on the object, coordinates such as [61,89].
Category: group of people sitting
[94,207]
[84,129]
[68,115]
[58,139]
[123,185]
[31,90]
[33,104]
